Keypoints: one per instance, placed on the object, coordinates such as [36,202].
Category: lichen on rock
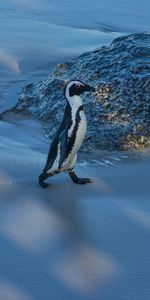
[119,112]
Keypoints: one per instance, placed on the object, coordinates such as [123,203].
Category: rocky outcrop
[119,112]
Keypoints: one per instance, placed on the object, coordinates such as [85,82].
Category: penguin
[69,136]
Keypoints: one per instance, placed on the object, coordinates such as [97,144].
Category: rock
[120,117]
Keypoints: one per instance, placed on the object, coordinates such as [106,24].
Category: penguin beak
[89,88]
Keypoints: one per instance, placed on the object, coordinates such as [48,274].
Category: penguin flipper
[51,155]
[61,137]
[63,140]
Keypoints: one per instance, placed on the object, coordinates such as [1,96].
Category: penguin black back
[65,124]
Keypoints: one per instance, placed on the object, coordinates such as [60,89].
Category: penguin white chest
[80,133]
[78,139]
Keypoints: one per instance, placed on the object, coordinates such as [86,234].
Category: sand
[70,241]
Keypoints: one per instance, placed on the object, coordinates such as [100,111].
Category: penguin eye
[76,89]
[79,85]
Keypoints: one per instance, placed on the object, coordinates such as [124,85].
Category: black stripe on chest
[75,129]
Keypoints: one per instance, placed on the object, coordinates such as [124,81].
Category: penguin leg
[78,180]
[43,177]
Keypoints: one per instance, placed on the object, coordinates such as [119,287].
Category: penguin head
[75,88]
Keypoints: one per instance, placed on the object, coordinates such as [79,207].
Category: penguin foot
[83,181]
[78,180]
[44,184]
[42,177]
